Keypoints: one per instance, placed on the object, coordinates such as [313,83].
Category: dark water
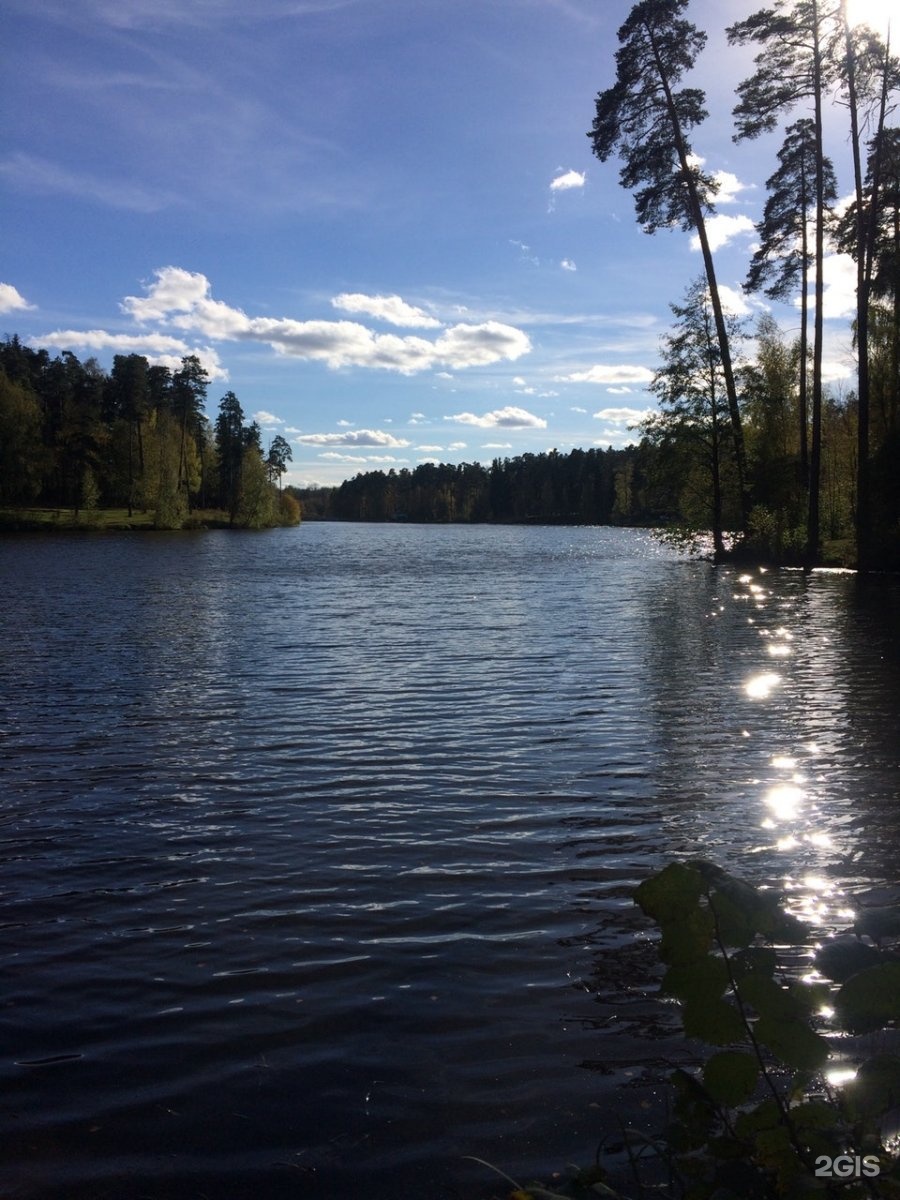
[318,845]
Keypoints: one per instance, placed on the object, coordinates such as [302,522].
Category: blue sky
[378,222]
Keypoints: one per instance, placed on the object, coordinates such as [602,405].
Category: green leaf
[719,1023]
[815,1114]
[734,925]
[730,1077]
[769,999]
[766,1115]
[754,960]
[672,893]
[793,1042]
[700,981]
[688,938]
[871,999]
[876,1088]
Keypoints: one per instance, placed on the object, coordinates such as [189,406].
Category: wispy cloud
[616,416]
[353,437]
[29,173]
[505,418]
[604,373]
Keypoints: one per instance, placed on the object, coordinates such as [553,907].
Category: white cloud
[333,456]
[496,446]
[430,449]
[11,300]
[733,300]
[266,419]
[507,418]
[618,416]
[840,287]
[457,446]
[835,370]
[568,265]
[353,437]
[620,391]
[159,349]
[567,180]
[722,229]
[344,424]
[480,345]
[175,290]
[574,409]
[603,373]
[182,298]
[729,186]
[392,309]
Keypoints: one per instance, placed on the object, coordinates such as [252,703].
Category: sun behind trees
[75,438]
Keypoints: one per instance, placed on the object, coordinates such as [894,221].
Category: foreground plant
[758,1120]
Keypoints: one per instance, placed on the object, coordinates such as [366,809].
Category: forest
[76,439]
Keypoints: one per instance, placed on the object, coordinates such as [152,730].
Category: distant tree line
[73,436]
[581,487]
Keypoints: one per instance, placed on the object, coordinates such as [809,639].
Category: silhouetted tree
[646,121]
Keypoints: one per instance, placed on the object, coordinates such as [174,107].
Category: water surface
[318,845]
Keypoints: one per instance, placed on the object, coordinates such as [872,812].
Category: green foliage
[870,999]
[757,1116]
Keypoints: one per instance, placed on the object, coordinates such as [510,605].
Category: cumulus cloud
[729,186]
[183,299]
[603,373]
[430,449]
[567,180]
[496,446]
[733,300]
[457,446]
[506,418]
[159,349]
[621,416]
[723,229]
[392,309]
[11,300]
[353,437]
[568,265]
[620,391]
[266,418]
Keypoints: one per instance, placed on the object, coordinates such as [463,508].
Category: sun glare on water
[877,14]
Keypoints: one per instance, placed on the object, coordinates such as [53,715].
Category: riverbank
[118,520]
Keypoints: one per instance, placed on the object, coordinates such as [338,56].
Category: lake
[318,844]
